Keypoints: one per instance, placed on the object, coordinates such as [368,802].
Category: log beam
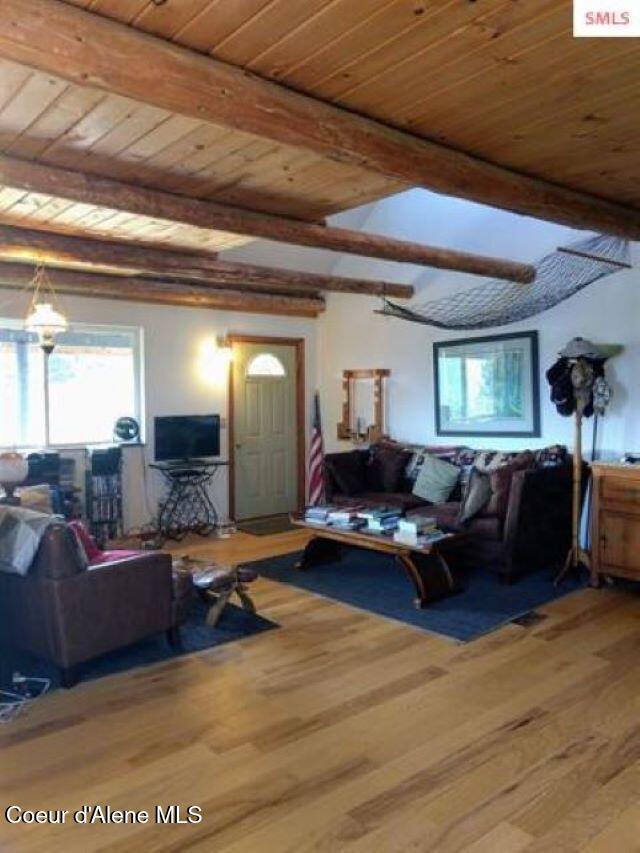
[90,50]
[63,250]
[104,192]
[17,276]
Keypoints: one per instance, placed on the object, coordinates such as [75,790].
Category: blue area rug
[235,623]
[372,581]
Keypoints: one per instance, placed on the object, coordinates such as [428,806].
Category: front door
[264,428]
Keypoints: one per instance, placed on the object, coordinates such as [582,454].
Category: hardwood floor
[343,731]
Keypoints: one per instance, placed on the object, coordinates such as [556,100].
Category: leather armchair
[68,613]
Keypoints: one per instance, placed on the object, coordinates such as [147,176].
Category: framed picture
[488,386]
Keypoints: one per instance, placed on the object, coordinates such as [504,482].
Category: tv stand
[174,464]
[187,507]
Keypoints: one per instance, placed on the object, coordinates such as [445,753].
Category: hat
[581,348]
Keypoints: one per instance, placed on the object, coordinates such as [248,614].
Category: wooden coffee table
[429,567]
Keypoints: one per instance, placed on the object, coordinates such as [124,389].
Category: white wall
[352,336]
[608,315]
[179,377]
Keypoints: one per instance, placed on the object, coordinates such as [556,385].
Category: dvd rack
[104,494]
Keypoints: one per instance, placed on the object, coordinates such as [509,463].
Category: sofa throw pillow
[476,496]
[448,452]
[555,454]
[501,483]
[385,468]
[465,460]
[348,471]
[491,460]
[436,481]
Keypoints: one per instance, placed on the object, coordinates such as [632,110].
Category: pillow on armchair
[84,539]
[87,546]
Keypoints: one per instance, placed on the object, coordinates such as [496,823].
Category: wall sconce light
[224,349]
[214,358]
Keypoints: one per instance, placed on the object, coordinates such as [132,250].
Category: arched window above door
[266,364]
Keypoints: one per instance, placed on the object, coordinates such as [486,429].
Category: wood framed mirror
[363,405]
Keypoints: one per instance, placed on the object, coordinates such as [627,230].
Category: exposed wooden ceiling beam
[90,50]
[104,192]
[62,250]
[129,288]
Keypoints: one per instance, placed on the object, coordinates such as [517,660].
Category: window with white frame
[93,378]
[266,364]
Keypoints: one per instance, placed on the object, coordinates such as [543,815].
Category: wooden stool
[218,584]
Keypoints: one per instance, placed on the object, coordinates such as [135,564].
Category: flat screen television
[180,437]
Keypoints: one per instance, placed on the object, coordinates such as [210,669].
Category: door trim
[301,432]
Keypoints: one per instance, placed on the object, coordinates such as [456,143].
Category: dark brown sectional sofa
[533,530]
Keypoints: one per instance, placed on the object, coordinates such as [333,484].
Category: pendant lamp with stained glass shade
[44,317]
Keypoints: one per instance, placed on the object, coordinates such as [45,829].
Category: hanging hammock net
[496,303]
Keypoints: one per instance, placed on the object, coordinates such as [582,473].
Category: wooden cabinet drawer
[619,544]
[621,490]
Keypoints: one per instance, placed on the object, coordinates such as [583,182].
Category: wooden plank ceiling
[500,79]
[522,116]
[49,120]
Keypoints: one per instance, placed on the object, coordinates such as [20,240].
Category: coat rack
[582,379]
[588,394]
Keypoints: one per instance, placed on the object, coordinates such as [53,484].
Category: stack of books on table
[346,518]
[381,519]
[318,514]
[415,530]
[432,536]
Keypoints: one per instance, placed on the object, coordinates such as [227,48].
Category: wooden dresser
[615,548]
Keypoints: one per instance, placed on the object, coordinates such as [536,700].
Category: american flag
[316,457]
